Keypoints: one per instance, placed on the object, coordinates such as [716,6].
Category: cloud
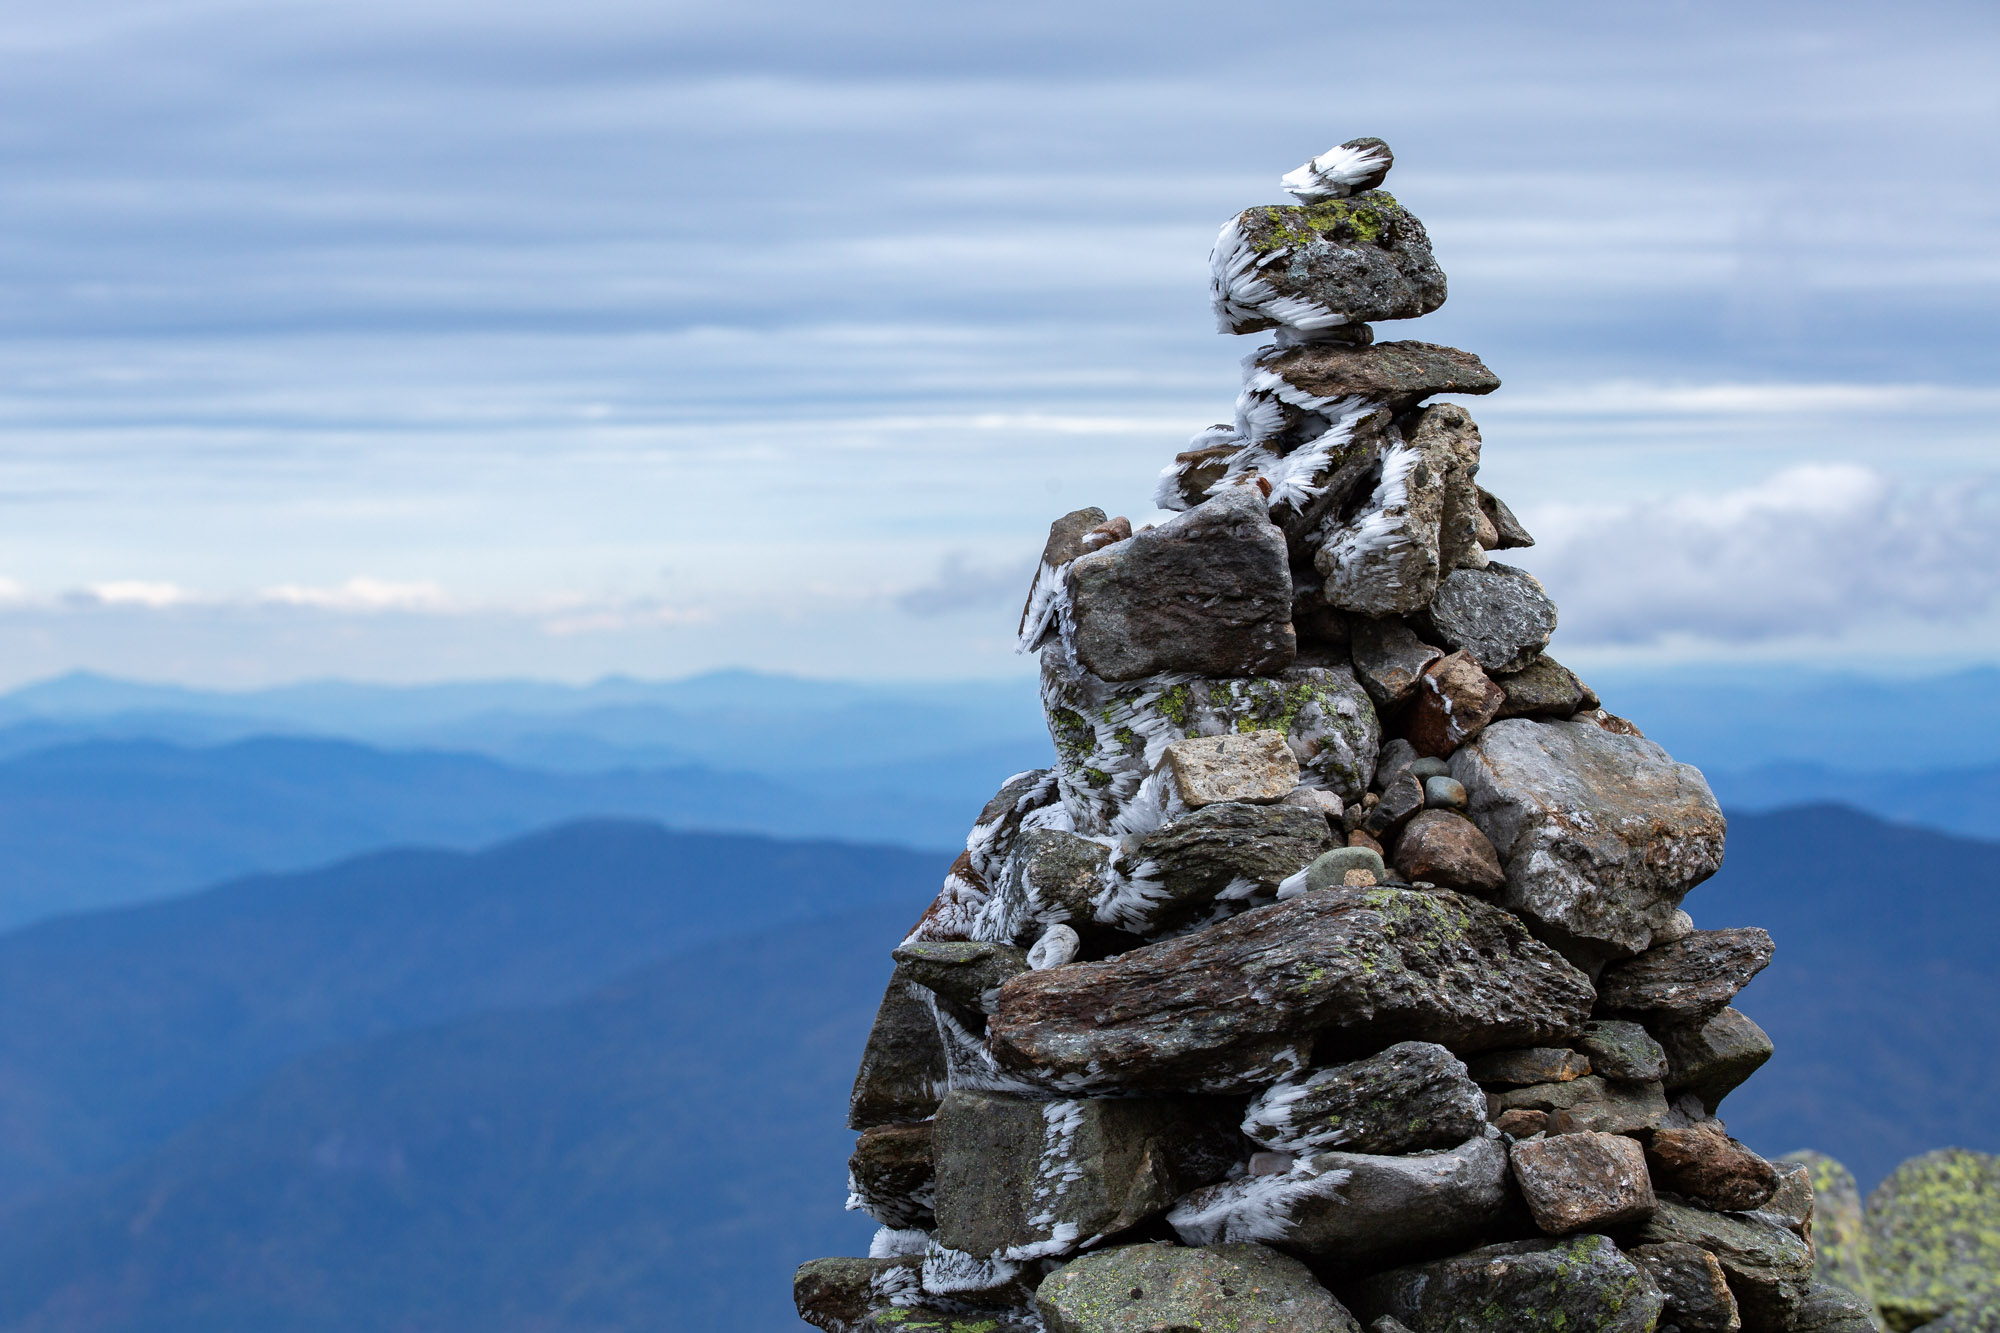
[153,595]
[962,586]
[1816,551]
[359,594]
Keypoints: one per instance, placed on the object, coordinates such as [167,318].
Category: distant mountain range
[593,1080]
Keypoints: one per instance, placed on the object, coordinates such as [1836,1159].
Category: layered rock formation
[1335,969]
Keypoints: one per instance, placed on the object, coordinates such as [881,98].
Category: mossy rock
[1934,1236]
[1840,1237]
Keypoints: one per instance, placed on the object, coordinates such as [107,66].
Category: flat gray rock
[1697,1290]
[1355,1210]
[1398,373]
[1027,1180]
[1623,1050]
[1209,591]
[1498,614]
[1712,1059]
[968,973]
[1146,1288]
[1688,981]
[1389,658]
[1602,835]
[1555,1285]
[1413,1096]
[1373,965]
[1544,688]
[1322,266]
[1231,848]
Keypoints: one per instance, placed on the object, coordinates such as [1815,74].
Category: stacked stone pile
[1335,972]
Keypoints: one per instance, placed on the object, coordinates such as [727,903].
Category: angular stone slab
[1702,1163]
[902,1072]
[839,1295]
[1051,876]
[1828,1308]
[1528,1066]
[1111,738]
[1583,1182]
[1322,266]
[1839,1235]
[1587,1103]
[1257,767]
[1544,688]
[1234,1005]
[1356,1210]
[1712,1059]
[1144,1288]
[1065,544]
[1231,848]
[968,973]
[1769,1269]
[1688,981]
[1028,1180]
[1697,1291]
[889,1175]
[1623,1050]
[1602,835]
[1413,1096]
[1209,591]
[1401,374]
[1499,614]
[1540,1285]
[1389,658]
[1934,1234]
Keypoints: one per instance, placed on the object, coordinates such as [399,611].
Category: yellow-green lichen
[1366,218]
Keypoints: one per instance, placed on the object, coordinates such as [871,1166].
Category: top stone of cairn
[1320,269]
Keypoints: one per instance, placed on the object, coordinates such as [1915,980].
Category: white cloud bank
[1816,551]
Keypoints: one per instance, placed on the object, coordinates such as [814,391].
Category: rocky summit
[1334,973]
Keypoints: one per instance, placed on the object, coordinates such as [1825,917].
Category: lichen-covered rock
[1544,688]
[1499,614]
[1111,739]
[1697,1293]
[1623,1050]
[1235,1004]
[1769,1269]
[1445,848]
[1252,766]
[1583,1182]
[902,1072]
[839,1295]
[1453,703]
[1688,981]
[1027,1180]
[1712,1059]
[1355,1210]
[1602,835]
[966,972]
[1530,1286]
[1934,1235]
[1209,591]
[1228,850]
[1320,266]
[1389,658]
[1145,1288]
[1839,1235]
[1704,1164]
[1528,1066]
[1413,1096]
[889,1175]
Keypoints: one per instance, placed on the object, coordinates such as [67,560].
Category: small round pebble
[1330,870]
[1444,794]
[1427,768]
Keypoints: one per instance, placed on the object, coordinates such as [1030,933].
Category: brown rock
[1531,1065]
[1360,839]
[1444,847]
[1520,1122]
[1712,1059]
[889,1175]
[1453,702]
[1704,1164]
[1687,981]
[1255,767]
[1371,966]
[1195,470]
[1697,1292]
[1507,530]
[1583,1182]
[1398,373]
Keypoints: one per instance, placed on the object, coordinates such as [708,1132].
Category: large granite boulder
[1209,591]
[1111,738]
[1147,1288]
[902,1072]
[1413,1096]
[1236,1004]
[1602,835]
[1027,1180]
[1530,1286]
[1355,1210]
[1322,266]
[1499,614]
[1769,1269]
[1688,981]
[1934,1235]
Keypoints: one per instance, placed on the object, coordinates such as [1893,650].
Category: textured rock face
[1499,615]
[1934,1235]
[1711,1060]
[889,1175]
[1389,658]
[1696,1290]
[1769,1269]
[1545,1286]
[1371,964]
[1413,1096]
[1385,558]
[1320,266]
[968,973]
[1398,373]
[1358,1210]
[1584,1182]
[1688,981]
[1544,688]
[839,1294]
[1527,1067]
[1623,1050]
[902,1073]
[1453,703]
[1208,591]
[1445,848]
[1702,1163]
[1255,767]
[1602,835]
[1027,1180]
[1227,848]
[1143,1288]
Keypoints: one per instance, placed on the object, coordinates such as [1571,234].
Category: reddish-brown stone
[1454,701]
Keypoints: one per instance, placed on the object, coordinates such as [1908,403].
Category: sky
[420,340]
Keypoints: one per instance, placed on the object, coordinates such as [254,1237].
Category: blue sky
[423,340]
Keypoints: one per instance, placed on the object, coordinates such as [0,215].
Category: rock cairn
[1335,973]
